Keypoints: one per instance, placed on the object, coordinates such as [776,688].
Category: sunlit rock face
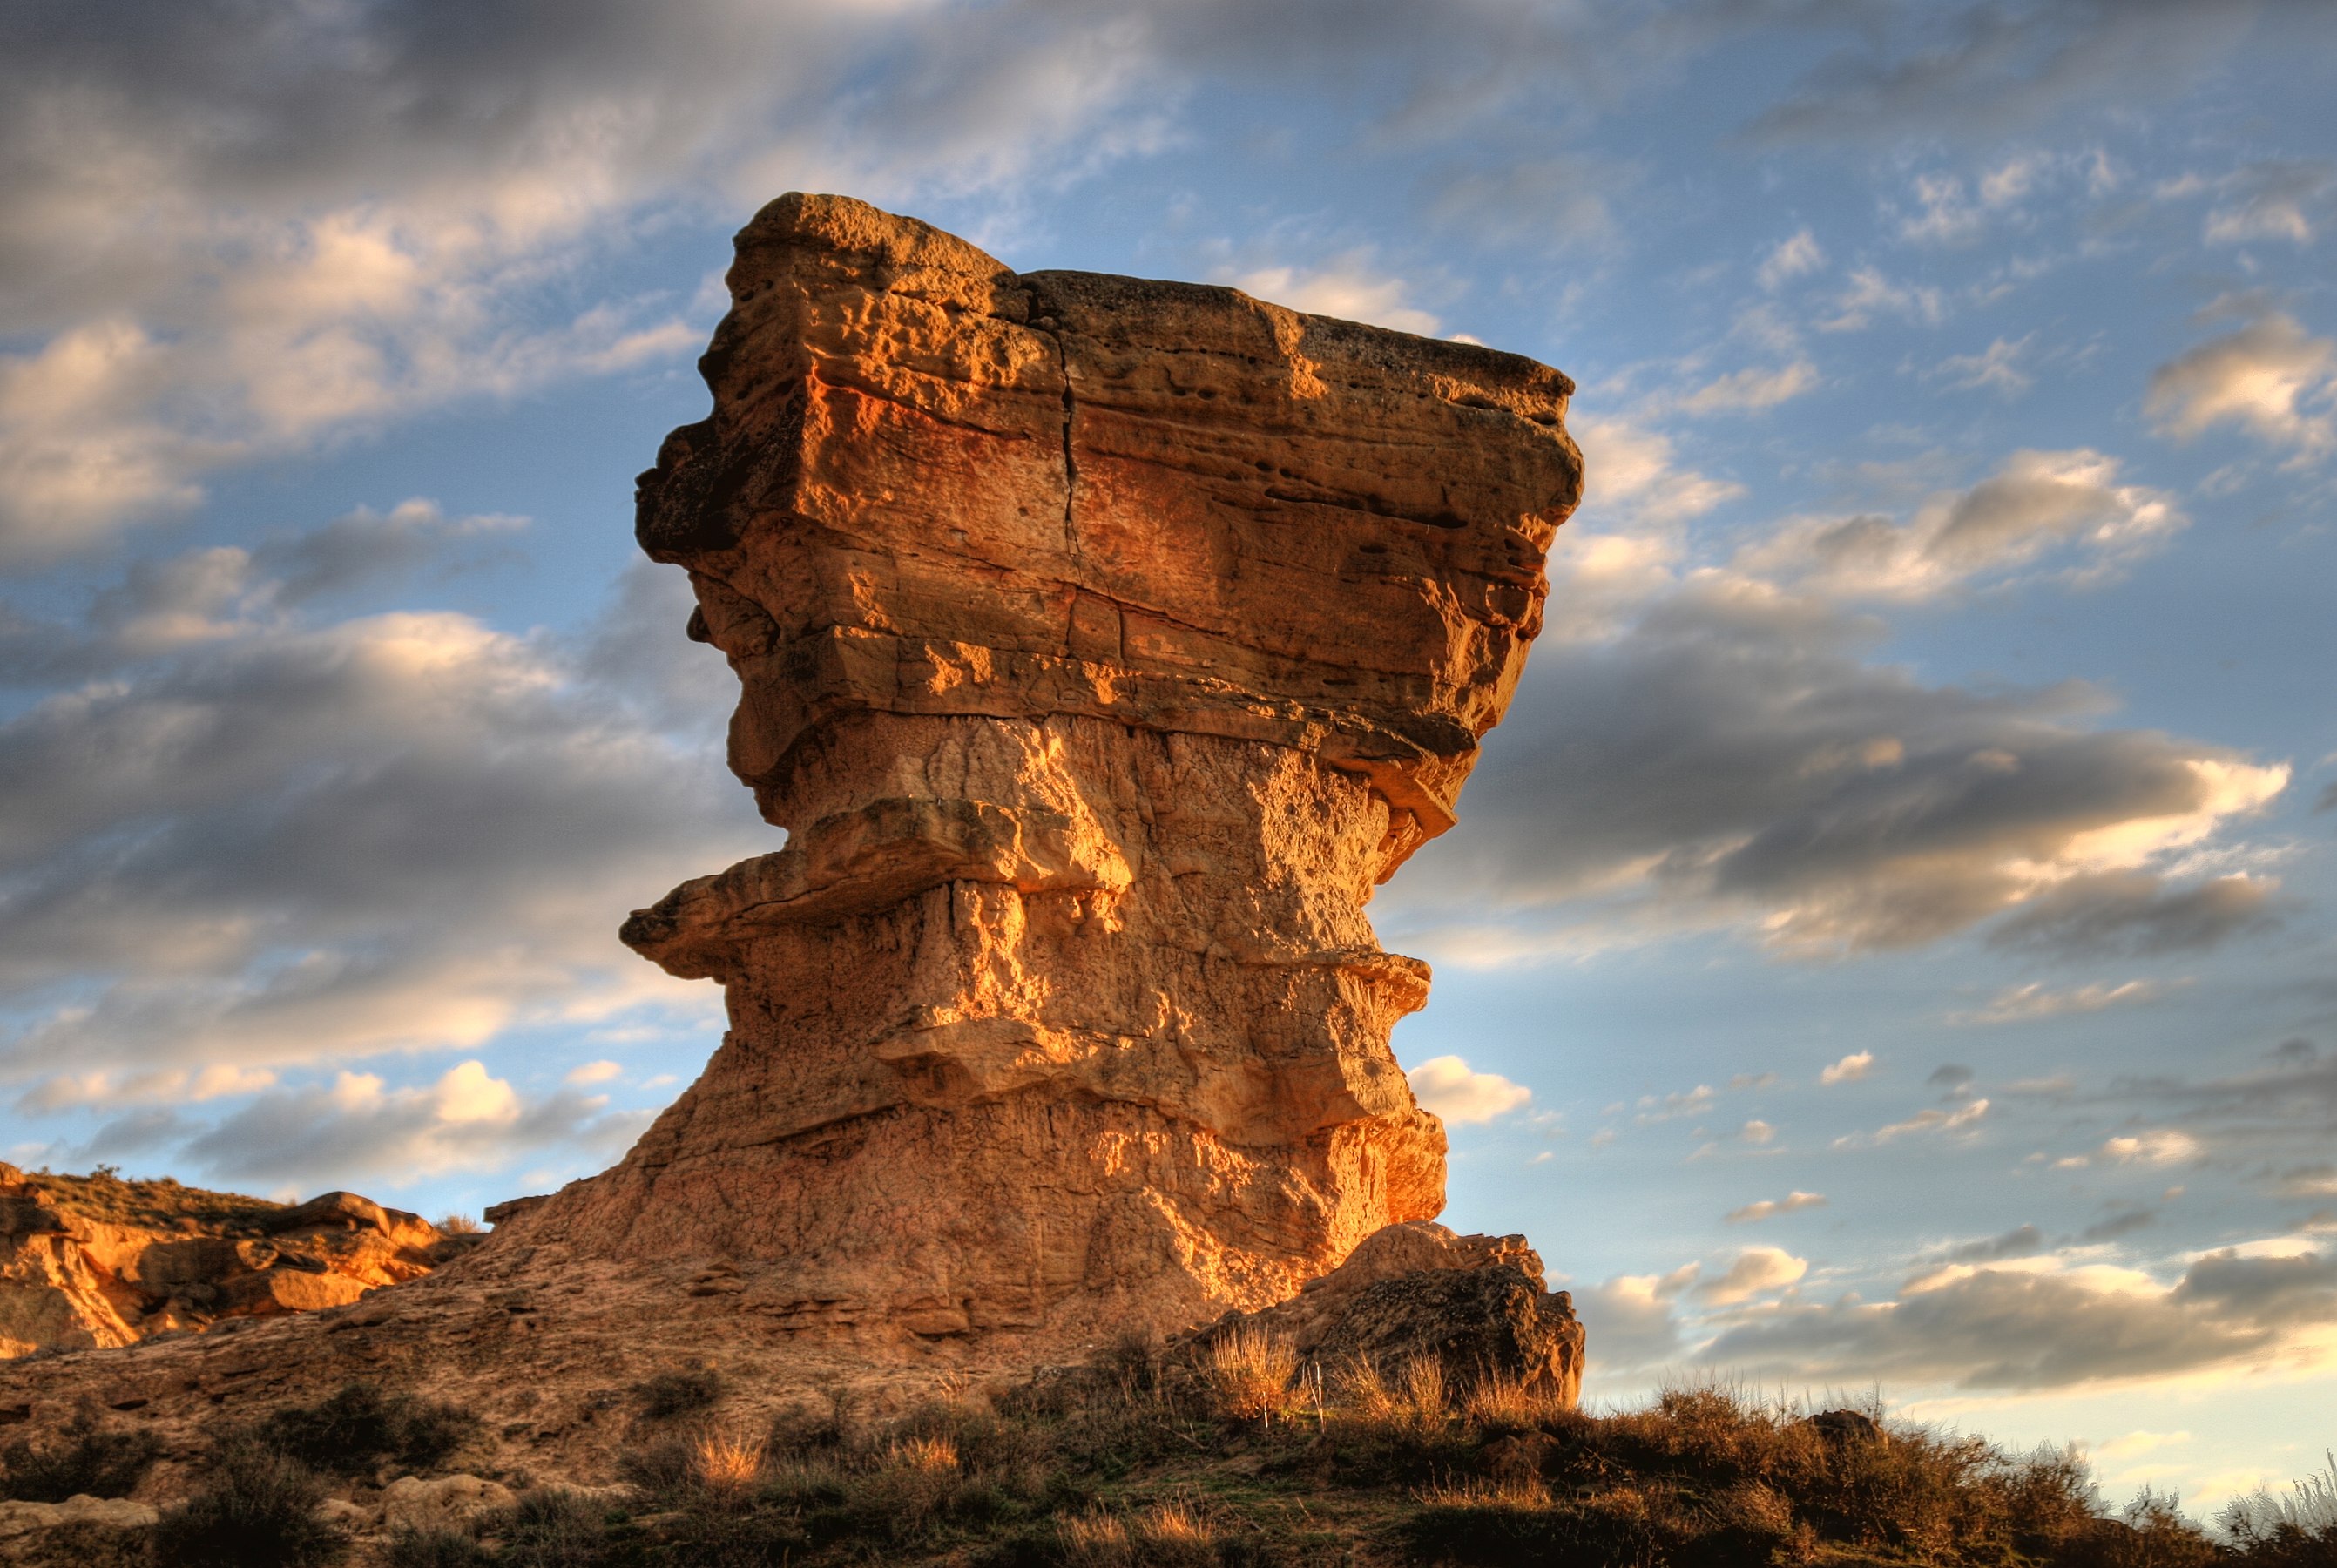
[1102,644]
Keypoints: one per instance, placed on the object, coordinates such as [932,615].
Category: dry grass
[458,1225]
[726,1462]
[1172,1535]
[1251,1375]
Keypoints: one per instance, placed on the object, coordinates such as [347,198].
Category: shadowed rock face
[1102,644]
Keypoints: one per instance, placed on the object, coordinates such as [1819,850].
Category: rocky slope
[90,1261]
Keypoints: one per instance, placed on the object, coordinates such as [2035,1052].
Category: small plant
[361,1425]
[89,1457]
[1251,1373]
[259,1510]
[724,1462]
[683,1392]
[549,1528]
[458,1225]
[2265,1520]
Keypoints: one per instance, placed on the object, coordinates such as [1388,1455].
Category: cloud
[2270,378]
[1721,756]
[2024,1003]
[1453,1090]
[1925,1121]
[1849,1070]
[1981,71]
[2102,913]
[1757,1271]
[1997,366]
[593,1073]
[2020,1242]
[273,840]
[468,1120]
[1633,1317]
[2276,199]
[1870,294]
[1792,1202]
[2042,1325]
[1750,390]
[1346,287]
[2160,1146]
[1796,256]
[1636,480]
[2034,505]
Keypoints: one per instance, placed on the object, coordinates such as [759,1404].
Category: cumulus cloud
[265,839]
[1633,1316]
[1756,1271]
[1792,1202]
[2035,504]
[2040,1324]
[2270,379]
[1722,755]
[1850,1069]
[468,1120]
[1458,1093]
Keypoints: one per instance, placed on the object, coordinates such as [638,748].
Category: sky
[1891,944]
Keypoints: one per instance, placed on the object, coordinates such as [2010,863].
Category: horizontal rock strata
[1102,644]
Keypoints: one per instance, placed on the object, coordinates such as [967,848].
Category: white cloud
[2035,504]
[1925,1121]
[1997,366]
[1757,1132]
[1792,1202]
[1850,1069]
[1870,294]
[1347,287]
[2022,1003]
[593,1073]
[1796,256]
[1458,1093]
[1757,1271]
[2159,1146]
[2270,377]
[1750,390]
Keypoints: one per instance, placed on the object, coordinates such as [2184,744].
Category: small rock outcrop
[97,1261]
[1477,1305]
[1102,643]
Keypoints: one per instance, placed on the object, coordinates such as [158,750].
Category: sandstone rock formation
[95,1261]
[1102,645]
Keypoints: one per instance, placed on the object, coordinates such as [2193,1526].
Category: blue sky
[1891,941]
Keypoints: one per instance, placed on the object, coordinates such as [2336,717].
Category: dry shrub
[1500,1404]
[931,1454]
[1172,1535]
[684,1391]
[1250,1374]
[89,1456]
[726,1462]
[1410,1404]
[458,1225]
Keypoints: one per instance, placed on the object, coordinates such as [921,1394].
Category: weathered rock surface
[1102,643]
[1475,1304]
[94,1261]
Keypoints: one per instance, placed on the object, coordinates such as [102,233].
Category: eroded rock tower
[1101,644]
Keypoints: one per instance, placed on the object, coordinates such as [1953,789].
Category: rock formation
[97,1262]
[1102,643]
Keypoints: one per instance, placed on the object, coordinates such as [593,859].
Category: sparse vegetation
[363,1425]
[458,1225]
[684,1391]
[258,1509]
[89,1456]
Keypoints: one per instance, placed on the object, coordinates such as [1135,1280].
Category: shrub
[87,1457]
[259,1510]
[551,1528]
[436,1549]
[683,1392]
[458,1225]
[361,1425]
[1249,1373]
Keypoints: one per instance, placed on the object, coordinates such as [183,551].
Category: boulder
[18,1520]
[441,1502]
